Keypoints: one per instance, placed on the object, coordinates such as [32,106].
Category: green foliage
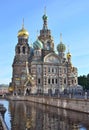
[84,81]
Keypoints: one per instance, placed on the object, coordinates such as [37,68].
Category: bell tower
[22,53]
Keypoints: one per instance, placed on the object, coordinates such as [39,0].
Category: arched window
[24,49]
[48,45]
[56,81]
[52,69]
[65,81]
[52,81]
[18,50]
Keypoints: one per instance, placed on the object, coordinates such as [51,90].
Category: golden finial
[60,37]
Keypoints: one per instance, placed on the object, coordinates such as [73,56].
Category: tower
[45,36]
[71,73]
[22,52]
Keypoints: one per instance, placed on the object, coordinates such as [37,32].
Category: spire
[37,34]
[45,10]
[60,37]
[45,20]
[23,24]
[23,32]
[68,48]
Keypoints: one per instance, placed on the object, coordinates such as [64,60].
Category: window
[56,81]
[48,81]
[38,81]
[48,45]
[72,81]
[65,81]
[52,69]
[55,70]
[48,69]
[24,49]
[52,81]
[18,50]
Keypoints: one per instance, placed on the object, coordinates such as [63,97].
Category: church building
[37,68]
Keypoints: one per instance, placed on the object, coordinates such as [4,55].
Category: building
[38,68]
[3,89]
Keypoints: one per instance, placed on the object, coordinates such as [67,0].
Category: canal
[23,115]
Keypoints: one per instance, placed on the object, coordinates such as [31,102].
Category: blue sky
[69,17]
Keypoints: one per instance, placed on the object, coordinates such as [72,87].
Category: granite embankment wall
[3,125]
[81,105]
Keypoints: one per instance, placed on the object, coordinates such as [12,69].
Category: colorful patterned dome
[61,47]
[37,44]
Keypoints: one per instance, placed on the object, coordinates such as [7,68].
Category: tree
[84,81]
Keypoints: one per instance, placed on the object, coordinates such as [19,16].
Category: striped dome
[37,44]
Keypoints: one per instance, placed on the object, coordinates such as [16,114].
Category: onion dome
[61,47]
[68,55]
[23,32]
[45,17]
[37,44]
[11,89]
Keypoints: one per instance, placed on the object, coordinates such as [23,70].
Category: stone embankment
[80,105]
[3,125]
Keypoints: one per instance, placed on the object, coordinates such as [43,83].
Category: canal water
[23,115]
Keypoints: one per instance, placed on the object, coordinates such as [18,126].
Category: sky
[69,17]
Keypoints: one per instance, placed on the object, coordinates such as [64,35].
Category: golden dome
[68,55]
[23,32]
[11,89]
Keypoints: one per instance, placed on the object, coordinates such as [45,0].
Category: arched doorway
[27,91]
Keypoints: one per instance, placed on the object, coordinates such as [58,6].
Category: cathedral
[37,68]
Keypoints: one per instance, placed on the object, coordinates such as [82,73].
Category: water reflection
[32,116]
